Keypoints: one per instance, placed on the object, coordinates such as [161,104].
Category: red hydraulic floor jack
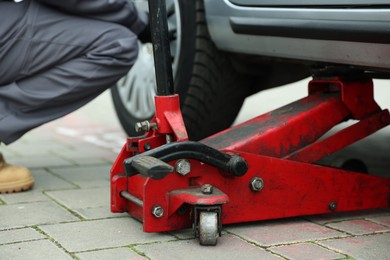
[261,169]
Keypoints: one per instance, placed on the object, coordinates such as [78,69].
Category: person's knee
[127,42]
[117,47]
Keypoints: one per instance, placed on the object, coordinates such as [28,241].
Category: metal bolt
[207,189]
[183,167]
[147,146]
[145,126]
[158,211]
[142,126]
[257,184]
[333,205]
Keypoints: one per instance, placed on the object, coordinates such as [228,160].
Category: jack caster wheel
[208,228]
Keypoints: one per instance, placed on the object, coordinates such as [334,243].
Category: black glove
[146,35]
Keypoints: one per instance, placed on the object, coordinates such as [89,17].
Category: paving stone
[7,153]
[358,227]
[283,231]
[306,251]
[116,253]
[362,247]
[19,235]
[383,219]
[228,247]
[103,137]
[45,148]
[41,249]
[37,161]
[187,233]
[90,150]
[24,197]
[82,198]
[80,156]
[93,161]
[99,234]
[36,136]
[86,176]
[105,140]
[340,216]
[91,203]
[21,215]
[99,212]
[43,181]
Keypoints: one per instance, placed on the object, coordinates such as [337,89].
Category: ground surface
[67,214]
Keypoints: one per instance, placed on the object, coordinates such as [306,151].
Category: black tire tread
[216,91]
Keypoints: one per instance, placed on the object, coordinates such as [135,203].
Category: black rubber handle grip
[151,167]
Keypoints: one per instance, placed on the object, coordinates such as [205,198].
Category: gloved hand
[146,35]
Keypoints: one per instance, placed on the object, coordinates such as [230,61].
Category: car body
[354,32]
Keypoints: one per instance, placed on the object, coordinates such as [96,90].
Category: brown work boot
[14,178]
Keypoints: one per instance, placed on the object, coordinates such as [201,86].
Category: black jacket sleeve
[117,11]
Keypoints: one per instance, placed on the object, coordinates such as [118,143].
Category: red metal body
[280,147]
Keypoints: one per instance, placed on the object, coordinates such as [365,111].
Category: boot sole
[17,186]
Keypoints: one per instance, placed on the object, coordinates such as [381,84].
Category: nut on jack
[207,189]
[256,184]
[145,126]
[333,206]
[158,211]
[183,167]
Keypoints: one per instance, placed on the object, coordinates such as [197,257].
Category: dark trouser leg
[61,63]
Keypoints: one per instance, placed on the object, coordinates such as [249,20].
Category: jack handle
[161,47]
[233,165]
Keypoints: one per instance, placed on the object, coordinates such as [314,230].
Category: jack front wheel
[208,228]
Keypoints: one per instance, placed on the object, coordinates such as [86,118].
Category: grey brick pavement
[67,214]
[115,253]
[37,249]
[229,247]
[19,235]
[362,247]
[294,251]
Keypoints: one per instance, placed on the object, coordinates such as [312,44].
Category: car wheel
[211,91]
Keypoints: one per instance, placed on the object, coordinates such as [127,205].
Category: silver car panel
[220,14]
[263,3]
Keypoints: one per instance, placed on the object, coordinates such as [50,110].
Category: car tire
[211,91]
